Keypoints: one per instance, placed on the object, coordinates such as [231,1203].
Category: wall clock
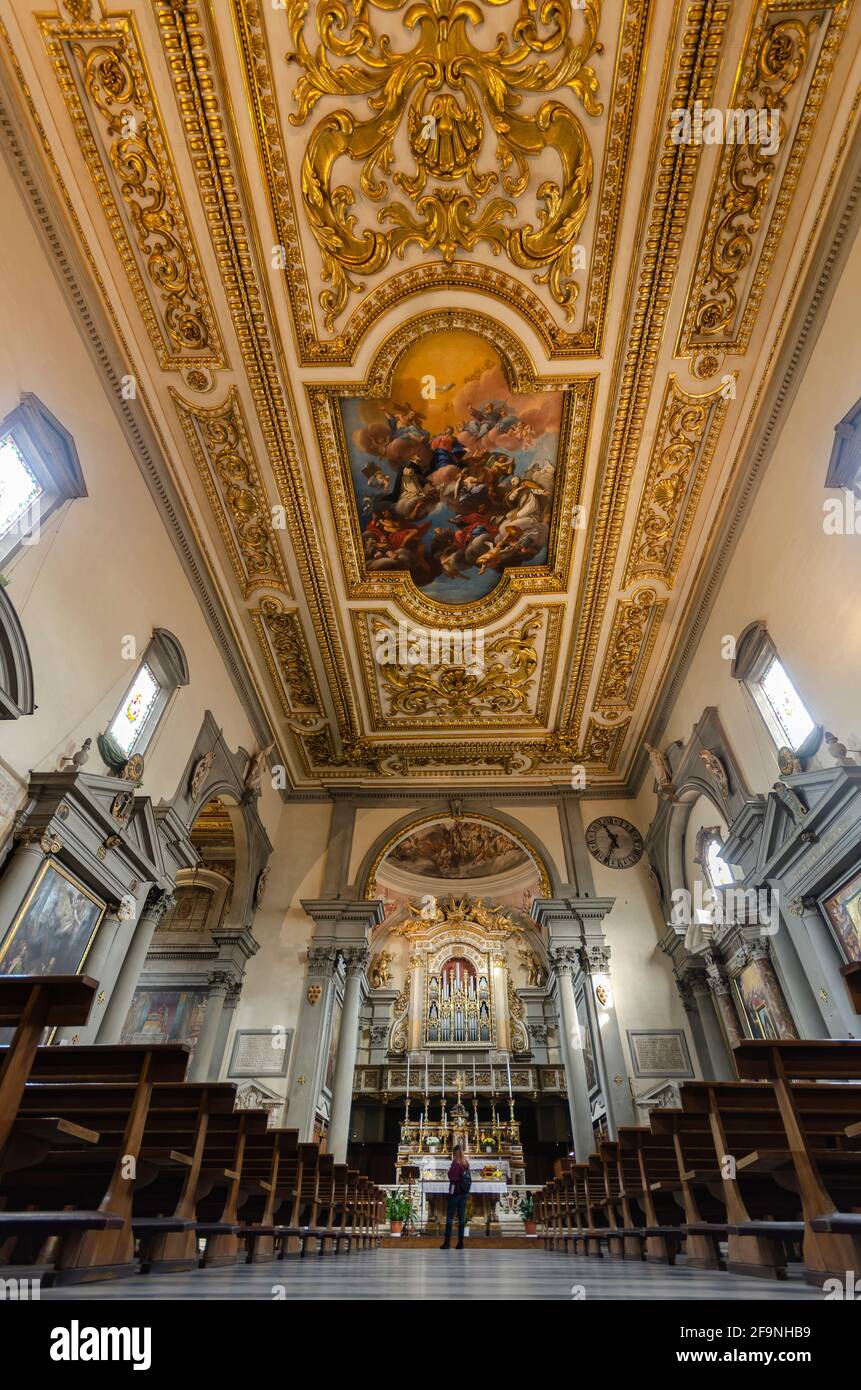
[614,842]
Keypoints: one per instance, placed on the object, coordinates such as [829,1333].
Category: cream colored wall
[271,995]
[785,570]
[644,990]
[104,567]
[370,822]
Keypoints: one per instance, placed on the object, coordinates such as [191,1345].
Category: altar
[492,1146]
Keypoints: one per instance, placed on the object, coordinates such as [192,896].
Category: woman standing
[459,1184]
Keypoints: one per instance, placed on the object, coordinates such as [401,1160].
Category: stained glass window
[782,706]
[19,486]
[137,704]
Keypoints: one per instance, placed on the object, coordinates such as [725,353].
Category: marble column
[607,1038]
[228,1014]
[18,876]
[724,1007]
[116,1012]
[311,1039]
[565,965]
[200,1065]
[341,925]
[821,959]
[721,1068]
[355,964]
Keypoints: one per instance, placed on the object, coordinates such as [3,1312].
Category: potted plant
[398,1208]
[526,1207]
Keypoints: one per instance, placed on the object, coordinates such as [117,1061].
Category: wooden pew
[106,1248]
[30,1004]
[832,1245]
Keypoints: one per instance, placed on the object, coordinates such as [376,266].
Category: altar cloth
[478,1187]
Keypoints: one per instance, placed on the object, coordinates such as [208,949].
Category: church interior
[430,502]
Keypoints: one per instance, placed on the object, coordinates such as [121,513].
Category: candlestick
[408,1073]
[473,1077]
[508,1070]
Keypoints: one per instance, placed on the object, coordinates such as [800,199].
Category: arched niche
[16,671]
[214,772]
[493,881]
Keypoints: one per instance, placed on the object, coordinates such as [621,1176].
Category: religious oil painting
[458,849]
[165,1015]
[761,1002]
[843,910]
[54,928]
[454,474]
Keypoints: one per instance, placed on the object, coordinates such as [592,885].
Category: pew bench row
[747,1175]
[111,1163]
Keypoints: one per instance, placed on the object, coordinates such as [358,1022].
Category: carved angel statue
[379,971]
[256,767]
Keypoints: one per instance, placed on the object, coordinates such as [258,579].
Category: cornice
[107,353]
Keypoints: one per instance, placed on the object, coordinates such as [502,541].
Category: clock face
[614,842]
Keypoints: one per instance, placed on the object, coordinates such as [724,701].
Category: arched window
[161,672]
[39,471]
[709,856]
[775,695]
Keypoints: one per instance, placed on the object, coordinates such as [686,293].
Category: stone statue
[532,965]
[78,759]
[260,890]
[660,767]
[200,773]
[256,767]
[379,971]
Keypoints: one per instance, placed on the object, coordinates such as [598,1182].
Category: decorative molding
[221,449]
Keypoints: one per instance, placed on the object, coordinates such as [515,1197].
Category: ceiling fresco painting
[454,479]
[437,321]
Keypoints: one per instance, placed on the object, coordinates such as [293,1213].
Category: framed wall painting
[260,1052]
[165,1015]
[760,1002]
[842,909]
[55,926]
[659,1052]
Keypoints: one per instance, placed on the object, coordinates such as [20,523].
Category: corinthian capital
[355,960]
[564,960]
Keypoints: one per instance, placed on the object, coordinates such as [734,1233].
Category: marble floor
[439,1275]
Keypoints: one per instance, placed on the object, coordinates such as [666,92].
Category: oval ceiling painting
[454,473]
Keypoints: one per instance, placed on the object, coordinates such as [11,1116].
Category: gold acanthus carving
[128,161]
[222,451]
[780,60]
[631,640]
[629,45]
[445,98]
[286,651]
[685,441]
[500,685]
[721,309]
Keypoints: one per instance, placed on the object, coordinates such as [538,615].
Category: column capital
[220,982]
[356,959]
[158,901]
[564,960]
[322,960]
[716,981]
[595,958]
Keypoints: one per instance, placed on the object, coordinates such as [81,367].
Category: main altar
[490,1142]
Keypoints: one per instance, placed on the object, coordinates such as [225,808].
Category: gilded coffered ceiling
[453,346]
